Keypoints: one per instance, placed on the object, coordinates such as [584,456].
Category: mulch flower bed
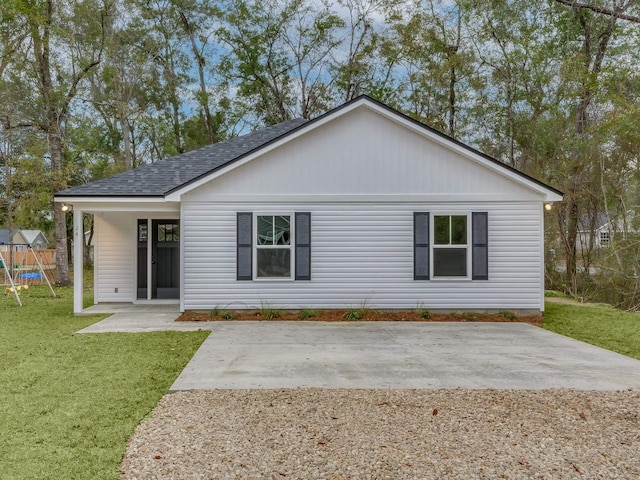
[357,314]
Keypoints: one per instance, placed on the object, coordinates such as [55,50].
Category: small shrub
[470,316]
[269,312]
[422,312]
[218,312]
[354,314]
[304,314]
[357,313]
[508,315]
[553,293]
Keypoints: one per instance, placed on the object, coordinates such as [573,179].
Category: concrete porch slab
[102,308]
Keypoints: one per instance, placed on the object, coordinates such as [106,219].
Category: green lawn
[68,403]
[596,324]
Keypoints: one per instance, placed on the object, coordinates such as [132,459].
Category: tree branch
[602,10]
[84,72]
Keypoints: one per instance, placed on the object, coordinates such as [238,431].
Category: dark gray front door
[165,259]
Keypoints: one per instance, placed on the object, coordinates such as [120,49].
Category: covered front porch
[137,256]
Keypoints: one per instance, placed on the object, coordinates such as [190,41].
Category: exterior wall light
[547,207]
[66,207]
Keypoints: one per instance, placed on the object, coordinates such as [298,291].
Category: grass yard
[598,325]
[69,403]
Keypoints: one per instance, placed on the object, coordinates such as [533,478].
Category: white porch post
[78,260]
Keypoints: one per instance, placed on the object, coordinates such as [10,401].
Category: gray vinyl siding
[362,253]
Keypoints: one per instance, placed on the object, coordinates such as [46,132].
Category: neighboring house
[21,239]
[36,239]
[16,237]
[602,229]
[361,206]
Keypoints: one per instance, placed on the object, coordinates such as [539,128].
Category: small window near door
[604,238]
[142,230]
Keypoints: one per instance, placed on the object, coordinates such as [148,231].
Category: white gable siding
[362,253]
[361,153]
[115,256]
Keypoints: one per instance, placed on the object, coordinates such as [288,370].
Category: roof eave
[105,198]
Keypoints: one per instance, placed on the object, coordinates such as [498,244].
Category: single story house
[7,237]
[36,239]
[360,206]
[597,232]
[21,239]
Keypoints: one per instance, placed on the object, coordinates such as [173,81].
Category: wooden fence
[24,258]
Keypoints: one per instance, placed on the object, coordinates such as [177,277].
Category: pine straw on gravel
[388,434]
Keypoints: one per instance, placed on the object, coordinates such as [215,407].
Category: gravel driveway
[276,432]
[388,434]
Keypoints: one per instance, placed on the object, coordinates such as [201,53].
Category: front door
[165,259]
[164,241]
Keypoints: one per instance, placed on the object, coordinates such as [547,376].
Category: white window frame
[433,246]
[256,247]
[605,237]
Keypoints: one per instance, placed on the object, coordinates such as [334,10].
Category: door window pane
[168,232]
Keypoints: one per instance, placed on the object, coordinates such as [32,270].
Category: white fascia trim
[91,206]
[90,199]
[367,198]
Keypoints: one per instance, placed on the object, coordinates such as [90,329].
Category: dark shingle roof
[160,178]
[4,235]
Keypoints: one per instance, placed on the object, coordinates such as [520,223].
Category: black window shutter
[303,245]
[480,250]
[421,245]
[244,255]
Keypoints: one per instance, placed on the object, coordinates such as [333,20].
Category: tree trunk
[592,68]
[125,131]
[203,97]
[59,218]
[87,242]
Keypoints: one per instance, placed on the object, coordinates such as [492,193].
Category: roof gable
[171,178]
[17,236]
[360,154]
[548,193]
[31,236]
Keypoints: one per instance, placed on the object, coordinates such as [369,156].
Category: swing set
[21,276]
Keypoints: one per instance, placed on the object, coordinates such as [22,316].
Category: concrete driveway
[430,355]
